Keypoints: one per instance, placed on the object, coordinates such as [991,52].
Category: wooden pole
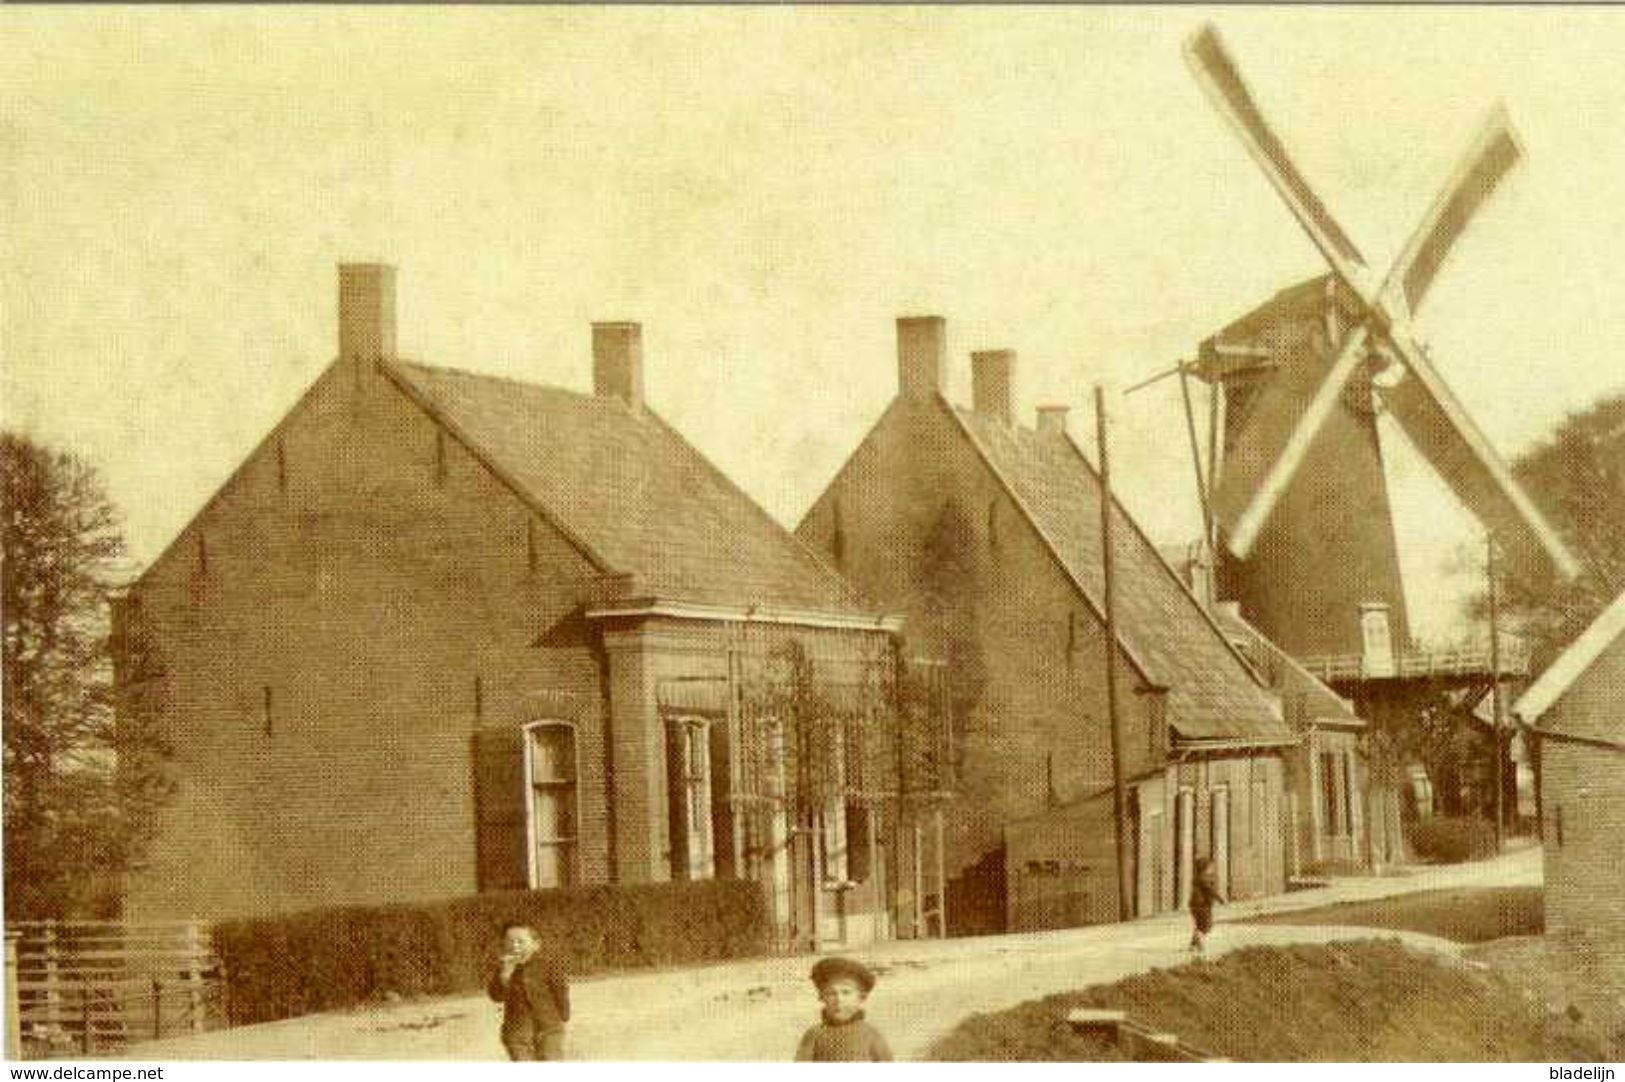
[196,947]
[1119,791]
[1495,687]
[1214,401]
[14,1032]
[940,841]
[1196,460]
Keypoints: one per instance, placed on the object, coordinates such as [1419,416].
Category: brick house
[1576,711]
[443,632]
[985,534]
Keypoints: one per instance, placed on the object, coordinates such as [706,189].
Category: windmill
[1295,494]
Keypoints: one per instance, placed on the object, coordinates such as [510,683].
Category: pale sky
[766,189]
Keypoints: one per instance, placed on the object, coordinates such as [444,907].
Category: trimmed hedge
[327,959]
[1443,840]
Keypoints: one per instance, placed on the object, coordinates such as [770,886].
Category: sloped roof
[1211,693]
[1308,697]
[1581,654]
[632,492]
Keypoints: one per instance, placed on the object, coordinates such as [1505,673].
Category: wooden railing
[91,987]
[1415,664]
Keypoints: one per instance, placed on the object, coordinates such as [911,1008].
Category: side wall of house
[329,634]
[919,522]
[1583,802]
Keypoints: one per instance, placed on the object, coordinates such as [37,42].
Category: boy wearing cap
[842,1035]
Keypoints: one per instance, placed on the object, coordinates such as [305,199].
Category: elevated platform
[1455,665]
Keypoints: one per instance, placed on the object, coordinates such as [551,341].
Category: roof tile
[634,492]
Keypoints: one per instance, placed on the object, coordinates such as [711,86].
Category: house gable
[1579,694]
[359,599]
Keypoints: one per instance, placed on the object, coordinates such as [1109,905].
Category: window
[1329,804]
[689,765]
[550,775]
[1376,640]
[1348,793]
[1156,728]
[859,824]
[834,813]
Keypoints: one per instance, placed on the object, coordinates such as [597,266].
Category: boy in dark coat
[1204,892]
[535,997]
[842,1035]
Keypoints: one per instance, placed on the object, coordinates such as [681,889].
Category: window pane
[552,865]
[552,753]
[552,804]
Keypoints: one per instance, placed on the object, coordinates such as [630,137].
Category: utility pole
[1495,686]
[1125,891]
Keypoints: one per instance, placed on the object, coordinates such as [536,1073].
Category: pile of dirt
[1370,1001]
[1574,977]
[1471,915]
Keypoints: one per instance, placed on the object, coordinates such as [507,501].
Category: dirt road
[755,1010]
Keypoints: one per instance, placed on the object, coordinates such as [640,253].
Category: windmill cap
[832,969]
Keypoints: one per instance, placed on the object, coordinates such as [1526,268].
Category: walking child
[841,1034]
[1204,892]
[535,997]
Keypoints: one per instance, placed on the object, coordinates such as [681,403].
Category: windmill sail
[1441,430]
[1217,73]
[1289,417]
[1487,162]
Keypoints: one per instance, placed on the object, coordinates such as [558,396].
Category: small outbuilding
[1576,712]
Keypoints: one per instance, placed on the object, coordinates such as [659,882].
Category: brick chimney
[1052,420]
[617,362]
[922,356]
[992,371]
[366,311]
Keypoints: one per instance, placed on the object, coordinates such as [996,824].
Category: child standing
[534,994]
[842,1035]
[1204,892]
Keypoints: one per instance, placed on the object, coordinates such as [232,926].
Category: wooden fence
[86,988]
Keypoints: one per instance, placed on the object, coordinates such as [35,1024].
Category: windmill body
[1298,502]
[1323,575]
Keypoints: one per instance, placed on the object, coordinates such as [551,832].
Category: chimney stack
[1052,420]
[992,372]
[617,362]
[922,357]
[366,311]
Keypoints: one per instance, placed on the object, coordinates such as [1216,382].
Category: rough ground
[1343,1002]
[760,1007]
[1583,981]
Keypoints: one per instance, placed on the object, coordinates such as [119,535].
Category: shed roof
[1211,692]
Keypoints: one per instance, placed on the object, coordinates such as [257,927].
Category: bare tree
[78,788]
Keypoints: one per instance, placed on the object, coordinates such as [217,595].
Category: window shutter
[501,862]
[677,800]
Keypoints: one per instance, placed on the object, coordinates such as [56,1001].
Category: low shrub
[1451,840]
[326,959]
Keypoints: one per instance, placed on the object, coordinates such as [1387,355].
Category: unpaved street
[755,1010]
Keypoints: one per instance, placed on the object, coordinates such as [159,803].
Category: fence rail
[1412,664]
[91,987]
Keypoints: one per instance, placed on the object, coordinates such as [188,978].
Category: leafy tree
[78,788]
[1577,475]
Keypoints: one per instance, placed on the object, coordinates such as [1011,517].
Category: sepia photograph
[853,533]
